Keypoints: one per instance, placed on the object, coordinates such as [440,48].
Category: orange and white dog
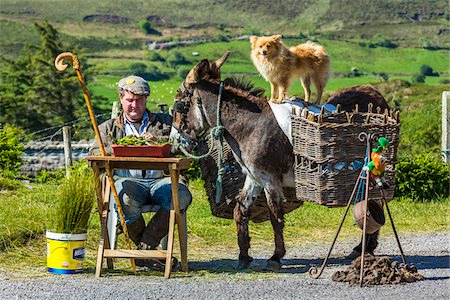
[280,65]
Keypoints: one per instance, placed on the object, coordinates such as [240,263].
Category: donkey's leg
[274,200]
[241,217]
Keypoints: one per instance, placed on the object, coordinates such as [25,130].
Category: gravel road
[429,252]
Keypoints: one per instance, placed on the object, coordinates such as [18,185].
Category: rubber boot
[135,230]
[156,229]
[371,244]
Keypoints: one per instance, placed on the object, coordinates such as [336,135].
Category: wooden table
[170,165]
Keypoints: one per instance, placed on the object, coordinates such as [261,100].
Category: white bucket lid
[66,236]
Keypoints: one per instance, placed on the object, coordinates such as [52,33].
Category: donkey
[258,144]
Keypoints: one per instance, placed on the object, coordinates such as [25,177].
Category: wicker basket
[232,183]
[329,156]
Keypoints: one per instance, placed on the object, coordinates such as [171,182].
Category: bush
[355,72]
[426,70]
[138,69]
[10,151]
[147,28]
[422,178]
[182,72]
[382,76]
[418,78]
[176,58]
[154,73]
[383,41]
[194,172]
[9,184]
[45,176]
[155,56]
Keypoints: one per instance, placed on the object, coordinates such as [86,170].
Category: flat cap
[134,84]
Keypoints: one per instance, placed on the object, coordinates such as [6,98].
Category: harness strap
[216,133]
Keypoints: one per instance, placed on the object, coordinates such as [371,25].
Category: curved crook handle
[66,56]
[362,136]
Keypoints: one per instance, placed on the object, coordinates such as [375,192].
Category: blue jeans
[134,193]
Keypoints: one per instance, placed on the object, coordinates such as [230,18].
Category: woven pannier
[329,156]
[232,183]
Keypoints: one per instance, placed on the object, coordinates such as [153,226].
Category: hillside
[115,24]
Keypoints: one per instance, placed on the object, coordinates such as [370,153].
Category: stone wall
[49,155]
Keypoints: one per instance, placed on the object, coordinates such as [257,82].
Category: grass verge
[24,214]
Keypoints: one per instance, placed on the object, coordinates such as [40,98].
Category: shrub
[422,178]
[182,72]
[426,70]
[355,72]
[382,76]
[154,73]
[45,176]
[383,41]
[176,58]
[194,172]
[418,78]
[139,69]
[155,56]
[9,184]
[10,151]
[146,27]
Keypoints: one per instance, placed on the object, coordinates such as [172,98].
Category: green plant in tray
[131,140]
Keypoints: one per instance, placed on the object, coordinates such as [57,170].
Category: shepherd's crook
[61,66]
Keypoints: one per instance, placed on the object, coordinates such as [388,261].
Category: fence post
[446,127]
[67,149]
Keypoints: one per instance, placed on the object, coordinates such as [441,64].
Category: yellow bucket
[65,252]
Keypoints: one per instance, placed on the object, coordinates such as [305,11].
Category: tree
[426,70]
[177,58]
[147,28]
[418,78]
[155,56]
[33,94]
[138,69]
[384,77]
[10,151]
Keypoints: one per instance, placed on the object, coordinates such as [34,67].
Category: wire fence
[58,128]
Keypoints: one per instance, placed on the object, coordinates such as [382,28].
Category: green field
[400,63]
[356,20]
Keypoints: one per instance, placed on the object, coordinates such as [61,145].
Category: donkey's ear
[198,72]
[221,60]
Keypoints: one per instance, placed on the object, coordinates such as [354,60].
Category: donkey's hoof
[272,266]
[244,263]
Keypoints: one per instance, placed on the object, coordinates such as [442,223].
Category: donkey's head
[189,118]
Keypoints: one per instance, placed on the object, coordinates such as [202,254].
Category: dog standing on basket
[280,65]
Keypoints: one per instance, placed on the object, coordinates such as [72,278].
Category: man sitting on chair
[137,188]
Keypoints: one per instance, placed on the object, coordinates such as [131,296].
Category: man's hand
[148,136]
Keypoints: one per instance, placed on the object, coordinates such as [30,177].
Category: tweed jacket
[159,126]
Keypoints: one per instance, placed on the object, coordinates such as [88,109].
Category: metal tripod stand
[362,178]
